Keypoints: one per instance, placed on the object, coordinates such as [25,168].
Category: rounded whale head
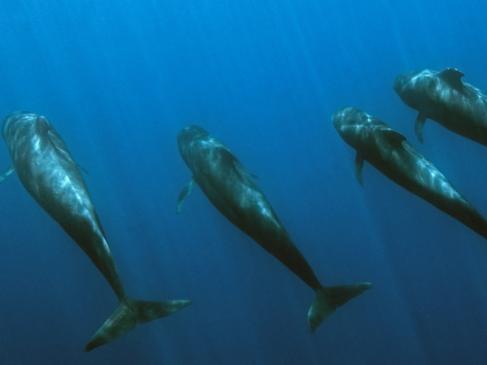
[416,89]
[15,119]
[400,82]
[350,124]
[191,133]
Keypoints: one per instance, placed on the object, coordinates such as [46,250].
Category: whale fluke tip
[328,299]
[130,313]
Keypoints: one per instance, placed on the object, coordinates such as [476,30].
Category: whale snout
[345,117]
[399,82]
[193,129]
[352,125]
[345,122]
[190,133]
[406,83]
[339,116]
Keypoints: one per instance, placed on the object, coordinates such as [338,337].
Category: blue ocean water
[120,79]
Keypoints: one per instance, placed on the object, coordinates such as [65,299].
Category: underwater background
[119,79]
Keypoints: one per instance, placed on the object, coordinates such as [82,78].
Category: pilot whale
[51,176]
[390,153]
[445,98]
[233,191]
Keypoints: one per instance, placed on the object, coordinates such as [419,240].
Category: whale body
[48,172]
[445,98]
[233,191]
[390,153]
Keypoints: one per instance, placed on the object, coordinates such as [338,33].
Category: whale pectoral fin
[418,127]
[82,169]
[359,165]
[188,188]
[6,174]
[453,76]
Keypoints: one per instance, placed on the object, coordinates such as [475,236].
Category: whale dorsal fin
[53,138]
[60,146]
[45,129]
[395,138]
[234,162]
[453,76]
[42,125]
[244,174]
[57,142]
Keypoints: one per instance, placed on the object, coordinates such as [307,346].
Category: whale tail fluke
[328,299]
[130,313]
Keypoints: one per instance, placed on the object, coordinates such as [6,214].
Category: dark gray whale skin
[232,190]
[51,176]
[445,98]
[390,153]
[48,172]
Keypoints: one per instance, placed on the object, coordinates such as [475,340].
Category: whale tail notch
[130,313]
[328,299]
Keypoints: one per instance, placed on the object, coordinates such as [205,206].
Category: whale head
[427,89]
[402,82]
[17,121]
[188,139]
[190,134]
[352,125]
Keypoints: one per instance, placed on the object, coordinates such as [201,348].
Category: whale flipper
[454,77]
[418,127]
[130,313]
[328,299]
[6,174]
[359,165]
[187,189]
